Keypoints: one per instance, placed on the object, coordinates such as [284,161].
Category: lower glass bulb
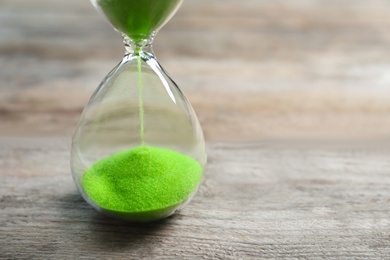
[138,152]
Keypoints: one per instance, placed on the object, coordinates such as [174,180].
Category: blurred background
[252,69]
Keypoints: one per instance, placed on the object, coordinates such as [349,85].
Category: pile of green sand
[138,18]
[142,183]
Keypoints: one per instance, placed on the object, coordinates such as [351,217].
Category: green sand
[138,18]
[142,183]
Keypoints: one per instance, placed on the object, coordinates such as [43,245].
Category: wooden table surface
[294,101]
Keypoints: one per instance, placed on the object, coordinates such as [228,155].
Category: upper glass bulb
[137,19]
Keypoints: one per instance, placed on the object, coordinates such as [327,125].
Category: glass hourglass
[138,151]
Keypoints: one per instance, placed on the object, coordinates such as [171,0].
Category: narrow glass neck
[144,45]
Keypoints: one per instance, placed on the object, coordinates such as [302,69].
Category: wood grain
[294,100]
[258,200]
[295,69]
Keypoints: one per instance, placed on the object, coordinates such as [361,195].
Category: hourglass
[138,151]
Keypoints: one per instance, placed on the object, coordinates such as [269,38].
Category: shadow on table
[106,232]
